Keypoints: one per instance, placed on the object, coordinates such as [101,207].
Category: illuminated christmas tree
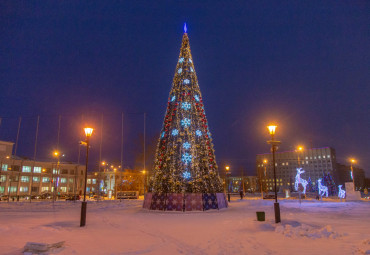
[185,159]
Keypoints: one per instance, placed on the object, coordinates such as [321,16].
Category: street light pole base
[83,214]
[277,212]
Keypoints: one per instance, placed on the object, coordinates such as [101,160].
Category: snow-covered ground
[113,227]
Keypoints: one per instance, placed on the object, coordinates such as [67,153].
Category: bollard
[260,216]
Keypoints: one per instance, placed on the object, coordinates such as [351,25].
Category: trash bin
[260,216]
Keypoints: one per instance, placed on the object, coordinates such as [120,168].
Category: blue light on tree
[173,98]
[196,97]
[185,122]
[186,106]
[186,145]
[198,132]
[186,175]
[179,71]
[190,60]
[163,134]
[186,158]
[175,132]
[181,60]
[191,69]
[186,81]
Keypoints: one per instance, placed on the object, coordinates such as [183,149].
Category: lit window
[64,189]
[88,181]
[319,156]
[4,167]
[323,156]
[45,179]
[25,178]
[63,180]
[44,188]
[71,180]
[23,189]
[93,181]
[37,169]
[287,163]
[55,171]
[36,179]
[26,169]
[328,156]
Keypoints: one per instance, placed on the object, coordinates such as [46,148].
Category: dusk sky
[304,65]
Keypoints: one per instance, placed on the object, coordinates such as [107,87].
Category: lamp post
[353,161]
[56,154]
[88,133]
[227,168]
[144,172]
[274,143]
[262,177]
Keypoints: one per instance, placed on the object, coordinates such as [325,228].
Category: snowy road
[313,227]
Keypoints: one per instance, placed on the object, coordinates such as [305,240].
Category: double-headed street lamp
[274,144]
[88,133]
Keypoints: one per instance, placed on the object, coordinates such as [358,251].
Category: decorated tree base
[185,201]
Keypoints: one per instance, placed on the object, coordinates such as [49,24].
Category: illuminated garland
[323,190]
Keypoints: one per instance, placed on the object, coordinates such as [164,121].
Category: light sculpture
[323,190]
[341,192]
[299,180]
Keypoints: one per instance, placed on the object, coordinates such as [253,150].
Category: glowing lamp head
[265,161]
[88,131]
[353,160]
[103,163]
[56,153]
[300,148]
[227,168]
[272,129]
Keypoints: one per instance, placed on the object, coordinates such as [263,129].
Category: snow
[113,227]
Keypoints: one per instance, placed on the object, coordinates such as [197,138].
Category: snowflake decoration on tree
[186,81]
[186,106]
[186,145]
[186,175]
[198,132]
[181,60]
[196,97]
[185,122]
[173,98]
[191,69]
[175,132]
[186,158]
[190,60]
[179,71]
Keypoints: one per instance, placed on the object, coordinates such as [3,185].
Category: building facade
[24,177]
[316,163]
[108,182]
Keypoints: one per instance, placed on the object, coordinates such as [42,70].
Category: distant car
[4,198]
[269,196]
[46,196]
[73,197]
[128,195]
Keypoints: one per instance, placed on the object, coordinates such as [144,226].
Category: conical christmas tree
[185,159]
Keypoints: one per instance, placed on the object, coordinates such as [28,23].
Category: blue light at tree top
[186,106]
[175,132]
[186,145]
[185,122]
[185,28]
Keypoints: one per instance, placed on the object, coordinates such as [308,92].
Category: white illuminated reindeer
[298,180]
[341,192]
[322,189]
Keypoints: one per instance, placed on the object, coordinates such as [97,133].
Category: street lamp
[353,161]
[262,177]
[227,168]
[56,154]
[274,143]
[88,133]
[298,150]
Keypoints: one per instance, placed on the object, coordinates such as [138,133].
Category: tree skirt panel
[147,200]
[175,202]
[209,201]
[193,202]
[158,202]
[221,200]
